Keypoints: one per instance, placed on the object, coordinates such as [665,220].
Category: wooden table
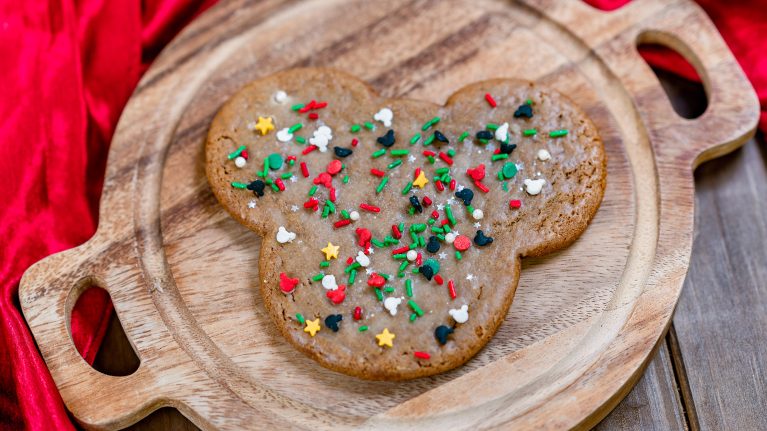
[710,372]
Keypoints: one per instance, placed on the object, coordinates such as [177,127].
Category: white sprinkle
[363,259]
[385,115]
[460,315]
[411,158]
[533,187]
[329,282]
[240,162]
[477,225]
[284,236]
[391,304]
[449,237]
[284,135]
[294,208]
[412,255]
[354,215]
[443,256]
[543,154]
[502,132]
[280,96]
[470,277]
[252,204]
[477,214]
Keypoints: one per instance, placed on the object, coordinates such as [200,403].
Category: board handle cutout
[733,108]
[48,292]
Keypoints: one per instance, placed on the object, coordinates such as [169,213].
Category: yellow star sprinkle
[312,326]
[385,338]
[331,251]
[421,180]
[264,125]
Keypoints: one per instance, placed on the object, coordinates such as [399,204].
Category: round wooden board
[183,275]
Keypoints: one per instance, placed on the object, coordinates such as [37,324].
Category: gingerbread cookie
[393,229]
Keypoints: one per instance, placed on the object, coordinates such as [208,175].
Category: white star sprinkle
[470,277]
[440,207]
[293,179]
[477,225]
[411,158]
[443,256]
[451,200]
[252,204]
[294,208]
[371,251]
[459,187]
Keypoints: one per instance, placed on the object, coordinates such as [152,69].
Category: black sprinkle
[439,137]
[387,140]
[416,204]
[466,195]
[481,240]
[484,134]
[333,320]
[508,148]
[342,152]
[427,271]
[441,333]
[258,187]
[524,110]
[433,245]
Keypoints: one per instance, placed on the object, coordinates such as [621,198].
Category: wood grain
[578,335]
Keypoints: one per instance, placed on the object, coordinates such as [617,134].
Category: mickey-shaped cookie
[400,224]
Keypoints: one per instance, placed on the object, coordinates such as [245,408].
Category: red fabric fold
[67,69]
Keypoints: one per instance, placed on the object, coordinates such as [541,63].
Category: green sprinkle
[352,267]
[388,289]
[431,221]
[449,213]
[437,229]
[529,132]
[369,125]
[363,328]
[345,214]
[451,152]
[398,153]
[300,139]
[491,126]
[389,240]
[421,241]
[352,276]
[292,162]
[300,318]
[379,294]
[381,186]
[377,243]
[441,237]
[400,256]
[355,128]
[286,175]
[500,175]
[407,188]
[346,179]
[409,288]
[529,101]
[428,141]
[318,277]
[411,210]
[414,140]
[501,156]
[330,204]
[403,265]
[469,209]
[413,317]
[384,275]
[394,164]
[325,211]
[236,152]
[509,170]
[237,185]
[484,141]
[442,171]
[415,308]
[447,228]
[297,107]
[505,186]
[401,226]
[312,190]
[379,153]
[463,136]
[458,255]
[294,128]
[324,264]
[558,133]
[266,167]
[417,227]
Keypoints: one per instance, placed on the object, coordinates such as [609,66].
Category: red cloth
[67,68]
[743,25]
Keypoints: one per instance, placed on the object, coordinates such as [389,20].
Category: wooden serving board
[183,275]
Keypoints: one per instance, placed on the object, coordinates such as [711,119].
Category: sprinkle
[355,128]
[413,316]
[318,277]
[308,149]
[237,185]
[415,308]
[342,223]
[355,141]
[399,153]
[430,123]
[342,152]
[379,294]
[490,100]
[304,170]
[529,132]
[428,141]
[515,203]
[264,125]
[300,318]
[451,289]
[296,107]
[421,181]
[312,326]
[407,188]
[414,140]
[377,173]
[369,125]
[236,152]
[312,190]
[331,251]
[446,158]
[314,116]
[379,153]
[481,187]
[463,136]
[558,133]
[497,157]
[363,328]
[394,164]
[525,110]
[324,264]
[301,140]
[458,255]
[409,288]
[449,215]
[371,208]
[346,179]
[509,170]
[421,355]
[382,184]
[294,128]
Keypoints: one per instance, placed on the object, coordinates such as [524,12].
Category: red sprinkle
[320,105]
[304,170]
[309,149]
[363,238]
[440,186]
[342,223]
[515,203]
[462,243]
[357,313]
[481,186]
[490,100]
[497,151]
[477,173]
[445,221]
[435,215]
[349,260]
[308,107]
[280,184]
[452,184]
[287,284]
[314,116]
[400,250]
[416,173]
[325,179]
[311,203]
[445,158]
[355,141]
[332,194]
[334,167]
[426,201]
[395,231]
[421,355]
[438,279]
[375,280]
[371,208]
[337,295]
[244,155]
[377,173]
[428,153]
[419,259]
[451,289]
